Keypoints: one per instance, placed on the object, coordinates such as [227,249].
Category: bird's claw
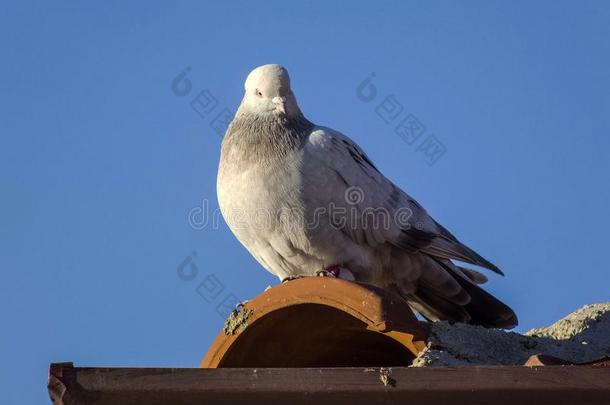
[332,271]
[290,278]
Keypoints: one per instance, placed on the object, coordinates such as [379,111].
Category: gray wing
[346,177]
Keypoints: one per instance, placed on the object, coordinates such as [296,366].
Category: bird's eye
[258,93]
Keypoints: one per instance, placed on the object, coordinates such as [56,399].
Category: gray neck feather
[262,139]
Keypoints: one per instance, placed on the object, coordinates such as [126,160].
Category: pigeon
[305,200]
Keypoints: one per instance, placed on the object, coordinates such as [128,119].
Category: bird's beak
[279,104]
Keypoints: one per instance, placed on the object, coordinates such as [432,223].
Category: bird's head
[267,92]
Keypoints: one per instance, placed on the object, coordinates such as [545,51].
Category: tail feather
[486,310]
[473,275]
[481,309]
[435,308]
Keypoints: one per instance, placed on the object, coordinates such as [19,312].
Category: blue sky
[102,160]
